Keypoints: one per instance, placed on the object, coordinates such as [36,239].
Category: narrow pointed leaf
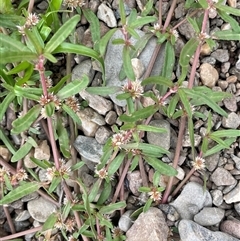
[160,166]
[103,91]
[115,164]
[72,114]
[10,56]
[226,133]
[5,139]
[73,88]
[127,64]
[5,104]
[62,33]
[19,192]
[227,18]
[185,102]
[49,223]
[150,128]
[23,123]
[104,41]
[139,22]
[227,35]
[122,12]
[159,80]
[227,9]
[35,38]
[55,182]
[110,208]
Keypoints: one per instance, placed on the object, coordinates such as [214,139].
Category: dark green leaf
[41,163]
[234,24]
[8,143]
[139,22]
[115,164]
[227,35]
[10,56]
[147,205]
[5,104]
[35,38]
[227,9]
[150,128]
[185,102]
[49,223]
[104,41]
[194,24]
[72,114]
[226,133]
[77,166]
[106,192]
[127,64]
[118,41]
[159,80]
[55,182]
[110,208]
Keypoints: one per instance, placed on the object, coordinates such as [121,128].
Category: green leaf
[187,51]
[60,84]
[134,163]
[144,189]
[123,96]
[77,166]
[147,205]
[104,41]
[29,93]
[115,164]
[147,8]
[185,102]
[226,35]
[218,140]
[228,19]
[94,26]
[204,146]
[41,163]
[27,75]
[122,12]
[81,50]
[20,67]
[94,191]
[49,109]
[103,91]
[156,178]
[172,105]
[106,192]
[8,79]
[55,182]
[139,114]
[5,104]
[62,33]
[10,56]
[49,223]
[203,3]
[194,24]
[72,114]
[227,9]
[4,138]
[19,192]
[23,123]
[63,139]
[127,64]
[139,22]
[160,166]
[10,20]
[226,133]
[158,80]
[132,32]
[35,38]
[150,128]
[118,41]
[73,88]
[110,208]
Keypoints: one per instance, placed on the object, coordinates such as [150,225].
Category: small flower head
[3,172]
[74,199]
[59,223]
[70,224]
[48,82]
[198,163]
[155,195]
[21,175]
[116,232]
[72,103]
[32,20]
[156,28]
[21,29]
[175,33]
[73,3]
[134,88]
[51,173]
[123,137]
[43,113]
[64,171]
[102,173]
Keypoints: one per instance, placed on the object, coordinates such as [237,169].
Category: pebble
[102,134]
[187,143]
[237,207]
[192,199]
[126,221]
[135,182]
[231,103]
[217,197]
[222,55]
[138,67]
[84,68]
[231,121]
[186,30]
[27,160]
[42,151]
[222,177]
[209,216]
[98,103]
[231,227]
[111,117]
[232,3]
[106,15]
[149,226]
[5,153]
[169,211]
[236,159]
[211,162]
[234,195]
[22,216]
[225,67]
[191,231]
[209,60]
[160,139]
[40,209]
[89,148]
[208,74]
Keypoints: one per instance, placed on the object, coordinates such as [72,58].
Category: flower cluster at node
[198,163]
[73,3]
[123,137]
[134,88]
[102,173]
[14,179]
[31,20]
[72,102]
[116,232]
[155,195]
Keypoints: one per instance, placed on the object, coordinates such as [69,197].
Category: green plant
[29,43]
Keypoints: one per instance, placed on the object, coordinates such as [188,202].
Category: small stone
[236,159]
[138,67]
[189,205]
[222,84]
[232,79]
[231,227]
[209,216]
[233,196]
[209,60]
[186,30]
[22,216]
[169,211]
[40,209]
[160,139]
[232,121]
[135,182]
[126,221]
[111,117]
[237,207]
[5,153]
[31,196]
[149,226]
[102,134]
[225,67]
[187,143]
[212,161]
[106,15]
[222,177]
[191,231]
[89,148]
[231,103]
[42,151]
[222,55]
[208,75]
[217,197]
[232,3]
[205,49]
[27,160]
[84,68]
[179,11]
[98,103]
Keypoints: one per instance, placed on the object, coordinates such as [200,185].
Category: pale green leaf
[110,208]
[127,64]
[72,114]
[5,104]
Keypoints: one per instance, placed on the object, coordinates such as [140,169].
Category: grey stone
[187,143]
[113,68]
[231,103]
[84,68]
[217,197]
[22,216]
[89,148]
[27,160]
[209,60]
[222,55]
[186,30]
[179,10]
[189,205]
[126,221]
[191,231]
[42,151]
[170,212]
[237,207]
[231,227]
[149,226]
[102,134]
[160,139]
[233,196]
[209,216]
[29,197]
[208,74]
[236,159]
[98,103]
[40,209]
[222,177]
[135,182]
[111,117]
[106,15]
[212,161]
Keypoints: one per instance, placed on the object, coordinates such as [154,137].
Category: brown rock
[208,75]
[231,227]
